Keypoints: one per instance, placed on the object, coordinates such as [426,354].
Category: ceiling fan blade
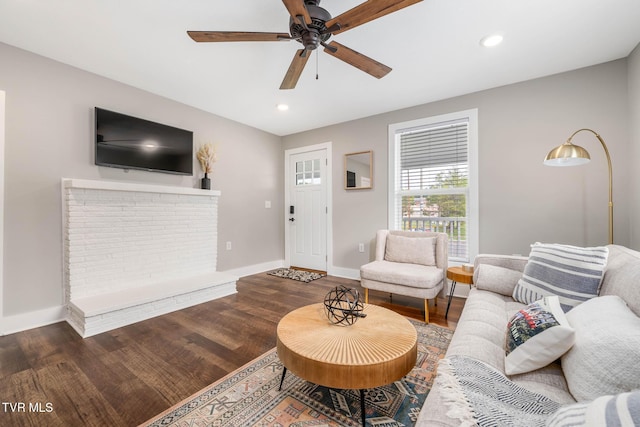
[295,69]
[297,8]
[367,11]
[236,36]
[358,60]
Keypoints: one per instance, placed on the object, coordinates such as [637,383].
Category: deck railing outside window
[456,229]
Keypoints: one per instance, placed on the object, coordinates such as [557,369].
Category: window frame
[473,218]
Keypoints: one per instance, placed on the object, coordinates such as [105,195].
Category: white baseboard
[33,319]
[347,273]
[255,268]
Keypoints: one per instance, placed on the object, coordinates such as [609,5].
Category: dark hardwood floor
[50,376]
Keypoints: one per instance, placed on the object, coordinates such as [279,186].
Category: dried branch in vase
[206,155]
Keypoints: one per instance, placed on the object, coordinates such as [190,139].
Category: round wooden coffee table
[377,350]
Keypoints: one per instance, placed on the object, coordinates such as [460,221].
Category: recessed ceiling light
[491,40]
[282,107]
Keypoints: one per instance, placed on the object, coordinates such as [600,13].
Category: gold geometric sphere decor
[343,306]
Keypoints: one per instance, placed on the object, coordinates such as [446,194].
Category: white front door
[307,210]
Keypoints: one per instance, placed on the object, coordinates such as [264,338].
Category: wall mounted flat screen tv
[130,143]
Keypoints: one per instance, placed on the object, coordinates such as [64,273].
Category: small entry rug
[249,396]
[300,275]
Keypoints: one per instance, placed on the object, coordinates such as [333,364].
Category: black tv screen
[130,143]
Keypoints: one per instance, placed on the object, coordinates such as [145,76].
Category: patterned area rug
[300,275]
[250,397]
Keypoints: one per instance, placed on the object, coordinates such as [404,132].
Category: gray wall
[633,188]
[521,201]
[49,135]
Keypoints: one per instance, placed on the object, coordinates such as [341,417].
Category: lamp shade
[567,154]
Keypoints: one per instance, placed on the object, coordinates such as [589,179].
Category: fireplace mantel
[134,187]
[134,251]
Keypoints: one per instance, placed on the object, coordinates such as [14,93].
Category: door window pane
[308,172]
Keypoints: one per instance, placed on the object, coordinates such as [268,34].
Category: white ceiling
[432,46]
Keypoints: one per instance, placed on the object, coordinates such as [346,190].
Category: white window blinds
[431,190]
[435,157]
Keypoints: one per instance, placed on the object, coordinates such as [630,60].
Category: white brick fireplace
[135,251]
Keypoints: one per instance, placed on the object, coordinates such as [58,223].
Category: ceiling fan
[312,26]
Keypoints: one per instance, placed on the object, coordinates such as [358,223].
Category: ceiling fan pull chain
[317,62]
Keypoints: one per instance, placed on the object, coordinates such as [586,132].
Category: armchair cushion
[394,273]
[412,250]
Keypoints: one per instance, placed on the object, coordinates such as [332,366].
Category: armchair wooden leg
[366,295]
[426,310]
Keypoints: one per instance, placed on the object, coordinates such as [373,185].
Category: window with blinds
[431,189]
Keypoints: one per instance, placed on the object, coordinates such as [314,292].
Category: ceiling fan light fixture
[312,26]
[282,107]
[491,40]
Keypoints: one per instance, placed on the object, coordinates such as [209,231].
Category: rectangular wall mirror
[358,170]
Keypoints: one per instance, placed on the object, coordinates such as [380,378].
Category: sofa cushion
[604,358]
[411,250]
[572,273]
[622,276]
[548,380]
[481,328]
[605,411]
[412,275]
[497,279]
[536,336]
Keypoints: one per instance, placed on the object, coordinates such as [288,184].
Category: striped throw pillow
[572,273]
[606,411]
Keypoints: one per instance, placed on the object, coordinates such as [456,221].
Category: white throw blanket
[478,395]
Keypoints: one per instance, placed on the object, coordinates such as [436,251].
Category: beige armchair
[410,263]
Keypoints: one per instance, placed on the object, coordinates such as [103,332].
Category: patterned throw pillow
[572,273]
[536,336]
[605,411]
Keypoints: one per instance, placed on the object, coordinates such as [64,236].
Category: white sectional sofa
[599,372]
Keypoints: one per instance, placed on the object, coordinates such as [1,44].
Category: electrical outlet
[228,246]
[267,204]
[360,247]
